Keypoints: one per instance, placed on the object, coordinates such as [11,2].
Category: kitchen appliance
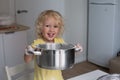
[103,31]
[110,77]
[55,56]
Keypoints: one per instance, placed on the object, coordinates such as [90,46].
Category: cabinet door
[14,45]
[2,64]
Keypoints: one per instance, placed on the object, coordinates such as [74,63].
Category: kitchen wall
[75,15]
[76,24]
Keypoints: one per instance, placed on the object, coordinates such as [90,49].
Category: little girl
[49,28]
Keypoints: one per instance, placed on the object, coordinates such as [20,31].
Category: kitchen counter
[12,28]
[93,75]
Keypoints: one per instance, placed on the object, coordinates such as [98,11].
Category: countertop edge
[17,27]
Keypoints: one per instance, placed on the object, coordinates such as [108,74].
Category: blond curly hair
[46,14]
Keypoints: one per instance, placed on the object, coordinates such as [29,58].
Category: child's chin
[51,39]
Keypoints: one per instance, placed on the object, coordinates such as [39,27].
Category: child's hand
[29,50]
[78,47]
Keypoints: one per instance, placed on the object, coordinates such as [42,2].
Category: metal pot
[110,77]
[56,56]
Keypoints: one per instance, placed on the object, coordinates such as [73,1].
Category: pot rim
[62,46]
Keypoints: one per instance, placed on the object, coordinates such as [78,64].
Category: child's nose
[51,28]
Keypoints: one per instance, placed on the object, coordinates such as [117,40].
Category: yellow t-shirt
[46,74]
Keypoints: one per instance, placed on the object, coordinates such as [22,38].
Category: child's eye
[46,25]
[55,26]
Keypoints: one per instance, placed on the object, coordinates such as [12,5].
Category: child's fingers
[79,47]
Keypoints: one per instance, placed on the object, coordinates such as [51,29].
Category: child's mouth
[50,35]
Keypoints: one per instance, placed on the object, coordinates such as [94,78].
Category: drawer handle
[10,32]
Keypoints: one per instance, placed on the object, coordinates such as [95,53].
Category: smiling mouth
[50,35]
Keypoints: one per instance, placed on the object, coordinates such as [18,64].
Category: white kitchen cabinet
[2,63]
[12,46]
[4,6]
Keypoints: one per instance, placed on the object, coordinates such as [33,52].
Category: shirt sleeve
[36,42]
[59,40]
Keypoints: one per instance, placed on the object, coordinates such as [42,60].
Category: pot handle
[77,49]
[30,50]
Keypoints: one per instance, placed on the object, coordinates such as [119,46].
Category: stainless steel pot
[56,56]
[110,77]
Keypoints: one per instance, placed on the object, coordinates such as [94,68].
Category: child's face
[50,29]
